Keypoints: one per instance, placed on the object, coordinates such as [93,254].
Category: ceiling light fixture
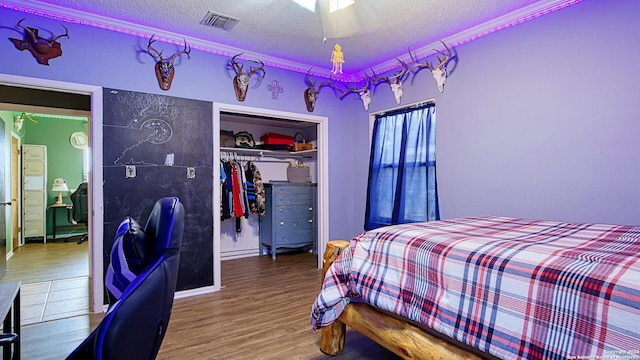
[307,4]
[335,5]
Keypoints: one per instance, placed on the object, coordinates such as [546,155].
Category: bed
[486,287]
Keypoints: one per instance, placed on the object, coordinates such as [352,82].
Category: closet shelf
[271,153]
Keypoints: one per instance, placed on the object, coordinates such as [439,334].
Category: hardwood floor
[55,281]
[262,312]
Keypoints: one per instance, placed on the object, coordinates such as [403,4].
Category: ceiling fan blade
[340,23]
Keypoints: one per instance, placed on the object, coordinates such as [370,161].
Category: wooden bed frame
[398,336]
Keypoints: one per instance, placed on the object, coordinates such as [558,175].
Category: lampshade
[59,185]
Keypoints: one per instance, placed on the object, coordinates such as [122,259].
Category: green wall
[63,160]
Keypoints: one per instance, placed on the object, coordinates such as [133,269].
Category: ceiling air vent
[219,21]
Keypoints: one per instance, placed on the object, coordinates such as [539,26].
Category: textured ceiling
[371,32]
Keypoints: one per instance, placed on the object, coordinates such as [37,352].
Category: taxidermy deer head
[42,49]
[364,92]
[440,71]
[395,81]
[241,80]
[311,93]
[164,67]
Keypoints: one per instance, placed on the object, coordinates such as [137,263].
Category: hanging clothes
[225,191]
[255,189]
[241,191]
[238,208]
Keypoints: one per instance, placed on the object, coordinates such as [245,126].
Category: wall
[541,120]
[63,160]
[117,61]
[536,121]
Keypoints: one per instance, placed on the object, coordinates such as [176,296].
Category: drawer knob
[310,221]
[281,223]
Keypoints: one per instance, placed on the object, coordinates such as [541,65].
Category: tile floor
[55,299]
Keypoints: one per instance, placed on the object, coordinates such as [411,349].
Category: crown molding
[102,22]
[79,17]
[503,22]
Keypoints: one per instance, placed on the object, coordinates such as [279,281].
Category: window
[402,169]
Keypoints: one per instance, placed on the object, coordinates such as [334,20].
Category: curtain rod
[417,104]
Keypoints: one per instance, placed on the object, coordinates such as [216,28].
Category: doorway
[320,124]
[50,93]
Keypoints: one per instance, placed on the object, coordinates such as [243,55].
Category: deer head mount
[395,81]
[311,93]
[241,80]
[42,49]
[439,72]
[364,93]
[164,67]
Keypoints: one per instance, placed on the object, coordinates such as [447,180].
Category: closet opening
[281,158]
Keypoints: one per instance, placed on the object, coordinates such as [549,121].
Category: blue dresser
[290,219]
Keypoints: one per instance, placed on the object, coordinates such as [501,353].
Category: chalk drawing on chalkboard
[162,131]
[168,160]
[130,171]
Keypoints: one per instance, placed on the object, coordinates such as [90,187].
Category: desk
[55,208]
[10,299]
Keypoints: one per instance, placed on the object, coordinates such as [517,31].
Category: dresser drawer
[36,152]
[33,213]
[33,228]
[300,195]
[293,224]
[295,239]
[34,198]
[305,211]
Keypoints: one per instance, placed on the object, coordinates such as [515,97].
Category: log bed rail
[400,337]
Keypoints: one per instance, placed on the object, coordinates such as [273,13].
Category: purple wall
[537,121]
[112,60]
[542,120]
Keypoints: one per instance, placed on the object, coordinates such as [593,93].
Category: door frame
[16,175]
[322,124]
[96,203]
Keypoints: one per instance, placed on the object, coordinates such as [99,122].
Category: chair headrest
[165,222]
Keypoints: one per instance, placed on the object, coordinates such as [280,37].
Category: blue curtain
[402,169]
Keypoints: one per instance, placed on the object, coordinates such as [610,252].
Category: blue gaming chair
[135,324]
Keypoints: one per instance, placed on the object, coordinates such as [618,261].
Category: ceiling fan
[340,18]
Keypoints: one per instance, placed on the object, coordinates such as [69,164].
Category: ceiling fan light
[335,5]
[307,4]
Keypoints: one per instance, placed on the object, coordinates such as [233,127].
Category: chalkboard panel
[167,143]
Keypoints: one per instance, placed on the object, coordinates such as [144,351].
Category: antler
[28,117]
[447,56]
[377,79]
[356,90]
[236,65]
[312,83]
[308,80]
[29,31]
[150,49]
[185,51]
[66,34]
[397,77]
[442,61]
[261,68]
[19,24]
[331,82]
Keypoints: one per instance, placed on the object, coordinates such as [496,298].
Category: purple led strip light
[353,77]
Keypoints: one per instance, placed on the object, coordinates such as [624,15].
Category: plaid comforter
[510,287]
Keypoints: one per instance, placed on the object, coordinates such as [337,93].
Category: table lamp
[59,185]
